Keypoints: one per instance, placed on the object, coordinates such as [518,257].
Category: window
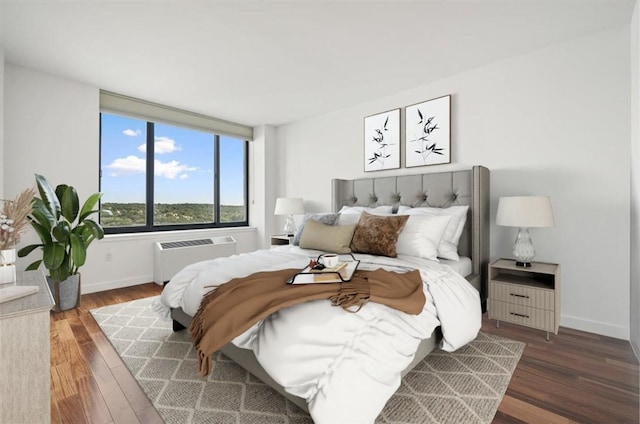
[156,176]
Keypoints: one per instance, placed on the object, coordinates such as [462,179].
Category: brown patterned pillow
[377,235]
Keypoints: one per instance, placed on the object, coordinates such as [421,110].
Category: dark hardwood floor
[89,381]
[574,377]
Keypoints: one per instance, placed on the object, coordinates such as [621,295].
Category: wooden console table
[25,352]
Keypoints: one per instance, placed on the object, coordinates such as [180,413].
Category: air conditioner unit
[169,257]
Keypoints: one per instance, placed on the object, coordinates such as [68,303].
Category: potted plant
[65,233]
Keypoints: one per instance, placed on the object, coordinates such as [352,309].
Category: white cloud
[131,133]
[162,145]
[172,169]
[135,165]
[126,166]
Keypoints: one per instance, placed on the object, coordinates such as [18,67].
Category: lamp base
[290,226]
[523,249]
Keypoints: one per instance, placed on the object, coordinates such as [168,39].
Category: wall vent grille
[185,243]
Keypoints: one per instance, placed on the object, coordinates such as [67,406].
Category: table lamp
[289,206]
[524,212]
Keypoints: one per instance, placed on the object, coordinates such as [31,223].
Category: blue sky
[184,161]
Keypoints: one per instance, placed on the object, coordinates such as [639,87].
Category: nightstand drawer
[523,315]
[522,295]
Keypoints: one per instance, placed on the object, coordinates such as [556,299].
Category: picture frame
[382,141]
[428,132]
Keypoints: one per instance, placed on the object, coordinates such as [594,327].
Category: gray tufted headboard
[440,189]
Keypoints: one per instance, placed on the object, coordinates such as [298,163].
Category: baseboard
[636,349]
[597,327]
[116,284]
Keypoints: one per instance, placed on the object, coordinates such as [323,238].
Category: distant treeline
[130,214]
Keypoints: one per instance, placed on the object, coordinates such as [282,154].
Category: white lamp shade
[525,211]
[289,206]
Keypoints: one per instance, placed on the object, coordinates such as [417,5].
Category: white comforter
[346,365]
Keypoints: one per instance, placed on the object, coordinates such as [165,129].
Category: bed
[399,194]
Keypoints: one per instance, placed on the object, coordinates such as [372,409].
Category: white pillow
[448,247]
[351,214]
[421,236]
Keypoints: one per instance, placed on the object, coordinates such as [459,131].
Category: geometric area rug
[465,386]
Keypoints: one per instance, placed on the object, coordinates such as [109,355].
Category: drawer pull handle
[519,315]
[519,295]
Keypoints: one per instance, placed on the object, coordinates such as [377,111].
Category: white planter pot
[7,266]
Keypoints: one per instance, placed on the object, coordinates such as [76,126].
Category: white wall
[554,122]
[2,170]
[51,127]
[1,108]
[635,181]
[263,183]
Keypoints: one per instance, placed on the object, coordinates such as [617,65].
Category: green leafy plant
[64,228]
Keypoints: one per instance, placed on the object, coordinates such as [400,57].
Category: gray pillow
[324,218]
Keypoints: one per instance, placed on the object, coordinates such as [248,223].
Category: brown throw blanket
[232,308]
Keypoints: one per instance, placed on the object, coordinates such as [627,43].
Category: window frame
[149,226]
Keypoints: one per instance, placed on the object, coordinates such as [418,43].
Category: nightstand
[525,296]
[280,240]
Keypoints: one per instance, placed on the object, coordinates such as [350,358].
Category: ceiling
[273,62]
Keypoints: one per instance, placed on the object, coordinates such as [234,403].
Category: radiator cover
[171,256]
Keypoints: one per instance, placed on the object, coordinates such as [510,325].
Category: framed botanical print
[382,141]
[428,132]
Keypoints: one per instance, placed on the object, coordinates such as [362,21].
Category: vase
[7,266]
[65,293]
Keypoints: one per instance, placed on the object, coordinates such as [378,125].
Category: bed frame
[441,189]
